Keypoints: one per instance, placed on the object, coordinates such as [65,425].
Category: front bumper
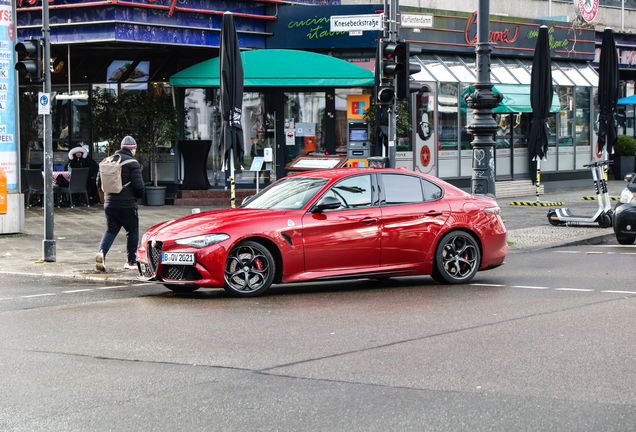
[208,270]
[625,219]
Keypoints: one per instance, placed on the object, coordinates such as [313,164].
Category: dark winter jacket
[130,172]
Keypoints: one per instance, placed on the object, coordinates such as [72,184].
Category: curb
[590,239]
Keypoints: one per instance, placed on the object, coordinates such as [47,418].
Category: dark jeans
[115,219]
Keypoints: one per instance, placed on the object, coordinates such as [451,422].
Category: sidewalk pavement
[78,231]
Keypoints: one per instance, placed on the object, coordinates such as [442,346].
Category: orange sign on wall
[3,192]
[357,105]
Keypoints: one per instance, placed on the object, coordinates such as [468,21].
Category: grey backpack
[110,173]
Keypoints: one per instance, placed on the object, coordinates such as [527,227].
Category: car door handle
[433,213]
[368,220]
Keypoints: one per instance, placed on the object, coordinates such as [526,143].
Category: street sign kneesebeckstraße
[345,23]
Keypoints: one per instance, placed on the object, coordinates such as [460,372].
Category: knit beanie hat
[128,143]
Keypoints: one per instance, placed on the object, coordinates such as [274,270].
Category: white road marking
[112,287]
[76,291]
[488,285]
[530,287]
[618,292]
[568,252]
[573,289]
[38,295]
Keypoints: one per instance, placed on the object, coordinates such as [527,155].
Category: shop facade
[132,46]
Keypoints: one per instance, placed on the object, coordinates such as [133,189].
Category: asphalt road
[546,342]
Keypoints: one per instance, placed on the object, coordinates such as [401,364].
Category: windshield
[288,194]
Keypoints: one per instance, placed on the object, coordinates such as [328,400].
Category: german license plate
[182,258]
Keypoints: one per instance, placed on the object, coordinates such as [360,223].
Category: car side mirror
[326,203]
[629,177]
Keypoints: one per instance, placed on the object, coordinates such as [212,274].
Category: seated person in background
[80,159]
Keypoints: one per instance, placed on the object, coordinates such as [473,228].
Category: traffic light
[29,62]
[386,94]
[404,86]
[391,51]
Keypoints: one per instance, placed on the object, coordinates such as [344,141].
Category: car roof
[337,173]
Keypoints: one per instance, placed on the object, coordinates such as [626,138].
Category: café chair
[35,183]
[77,185]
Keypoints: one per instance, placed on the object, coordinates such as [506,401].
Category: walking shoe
[100,262]
[129,266]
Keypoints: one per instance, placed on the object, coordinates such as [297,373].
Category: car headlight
[626,196]
[144,238]
[202,240]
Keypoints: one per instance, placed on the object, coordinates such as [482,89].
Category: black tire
[604,221]
[553,222]
[181,288]
[249,270]
[625,240]
[457,258]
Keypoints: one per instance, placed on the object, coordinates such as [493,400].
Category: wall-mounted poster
[8,148]
[117,69]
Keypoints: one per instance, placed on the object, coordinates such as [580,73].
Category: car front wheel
[624,240]
[249,270]
[457,258]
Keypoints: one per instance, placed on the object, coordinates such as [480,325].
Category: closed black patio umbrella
[541,93]
[231,94]
[607,92]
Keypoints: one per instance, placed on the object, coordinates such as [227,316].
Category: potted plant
[624,156]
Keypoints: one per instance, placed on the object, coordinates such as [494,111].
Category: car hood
[215,221]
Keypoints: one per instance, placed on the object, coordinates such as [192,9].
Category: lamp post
[483,100]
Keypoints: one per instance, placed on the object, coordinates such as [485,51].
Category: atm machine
[358,144]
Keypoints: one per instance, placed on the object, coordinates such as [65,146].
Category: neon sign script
[494,36]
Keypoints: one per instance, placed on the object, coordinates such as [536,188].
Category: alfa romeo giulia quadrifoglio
[325,225]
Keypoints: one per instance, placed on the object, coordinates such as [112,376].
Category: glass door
[520,155]
[304,123]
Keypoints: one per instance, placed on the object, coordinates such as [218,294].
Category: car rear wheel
[624,240]
[457,258]
[181,288]
[249,270]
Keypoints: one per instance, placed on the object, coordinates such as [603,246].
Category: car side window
[402,189]
[352,192]
[432,192]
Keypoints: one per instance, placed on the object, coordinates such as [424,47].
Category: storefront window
[466,137]
[203,122]
[550,164]
[566,123]
[448,129]
[503,146]
[520,156]
[583,131]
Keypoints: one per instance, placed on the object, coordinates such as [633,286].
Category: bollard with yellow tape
[3,192]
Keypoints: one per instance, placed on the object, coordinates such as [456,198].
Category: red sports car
[324,225]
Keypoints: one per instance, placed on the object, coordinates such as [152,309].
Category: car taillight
[493,210]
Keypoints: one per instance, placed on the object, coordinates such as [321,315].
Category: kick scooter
[603,215]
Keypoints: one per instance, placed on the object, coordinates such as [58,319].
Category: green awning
[516,99]
[280,68]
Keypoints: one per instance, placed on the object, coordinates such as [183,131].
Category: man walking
[121,208]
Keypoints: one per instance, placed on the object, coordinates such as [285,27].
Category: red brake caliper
[259,264]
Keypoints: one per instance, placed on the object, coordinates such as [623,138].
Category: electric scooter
[603,215]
